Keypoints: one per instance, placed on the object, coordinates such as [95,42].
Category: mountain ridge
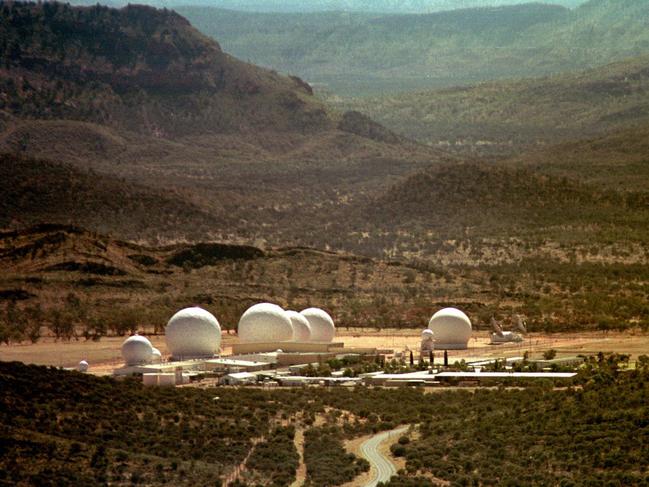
[384,53]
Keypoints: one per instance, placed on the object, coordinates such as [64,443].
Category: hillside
[34,191]
[361,53]
[140,69]
[475,201]
[617,160]
[68,282]
[139,95]
[501,116]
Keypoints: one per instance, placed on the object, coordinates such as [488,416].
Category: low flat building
[228,364]
[257,347]
[239,378]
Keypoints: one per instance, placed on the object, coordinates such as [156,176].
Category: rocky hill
[140,69]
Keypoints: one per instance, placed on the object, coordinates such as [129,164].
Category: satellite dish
[520,324]
[496,327]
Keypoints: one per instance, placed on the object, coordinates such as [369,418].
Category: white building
[193,333]
[265,322]
[452,329]
[322,325]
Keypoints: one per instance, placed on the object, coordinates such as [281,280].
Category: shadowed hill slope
[618,160]
[487,206]
[34,191]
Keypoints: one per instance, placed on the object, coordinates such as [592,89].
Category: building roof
[530,375]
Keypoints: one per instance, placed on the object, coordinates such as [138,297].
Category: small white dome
[301,327]
[322,325]
[427,333]
[193,333]
[452,329]
[265,322]
[83,366]
[137,350]
[156,355]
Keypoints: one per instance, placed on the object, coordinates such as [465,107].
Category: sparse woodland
[65,427]
[65,282]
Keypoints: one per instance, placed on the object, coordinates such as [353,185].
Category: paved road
[384,468]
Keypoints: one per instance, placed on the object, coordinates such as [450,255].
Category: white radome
[265,322]
[322,325]
[83,366]
[427,333]
[193,333]
[156,356]
[451,328]
[301,327]
[137,350]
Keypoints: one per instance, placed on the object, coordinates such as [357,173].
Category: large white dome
[301,327]
[265,322]
[322,326]
[137,350]
[452,329]
[193,333]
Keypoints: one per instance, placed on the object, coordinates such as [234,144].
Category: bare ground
[104,355]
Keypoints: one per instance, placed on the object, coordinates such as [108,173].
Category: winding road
[384,468]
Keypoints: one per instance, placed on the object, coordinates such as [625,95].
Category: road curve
[384,468]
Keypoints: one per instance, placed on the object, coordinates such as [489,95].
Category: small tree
[550,354]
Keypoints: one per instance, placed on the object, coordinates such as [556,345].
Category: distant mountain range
[500,117]
[357,53]
[379,6]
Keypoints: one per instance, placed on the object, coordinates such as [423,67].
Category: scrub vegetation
[65,427]
[72,284]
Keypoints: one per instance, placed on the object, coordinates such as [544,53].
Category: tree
[550,354]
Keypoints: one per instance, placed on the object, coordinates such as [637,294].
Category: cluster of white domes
[193,333]
[266,322]
[451,329]
[190,333]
